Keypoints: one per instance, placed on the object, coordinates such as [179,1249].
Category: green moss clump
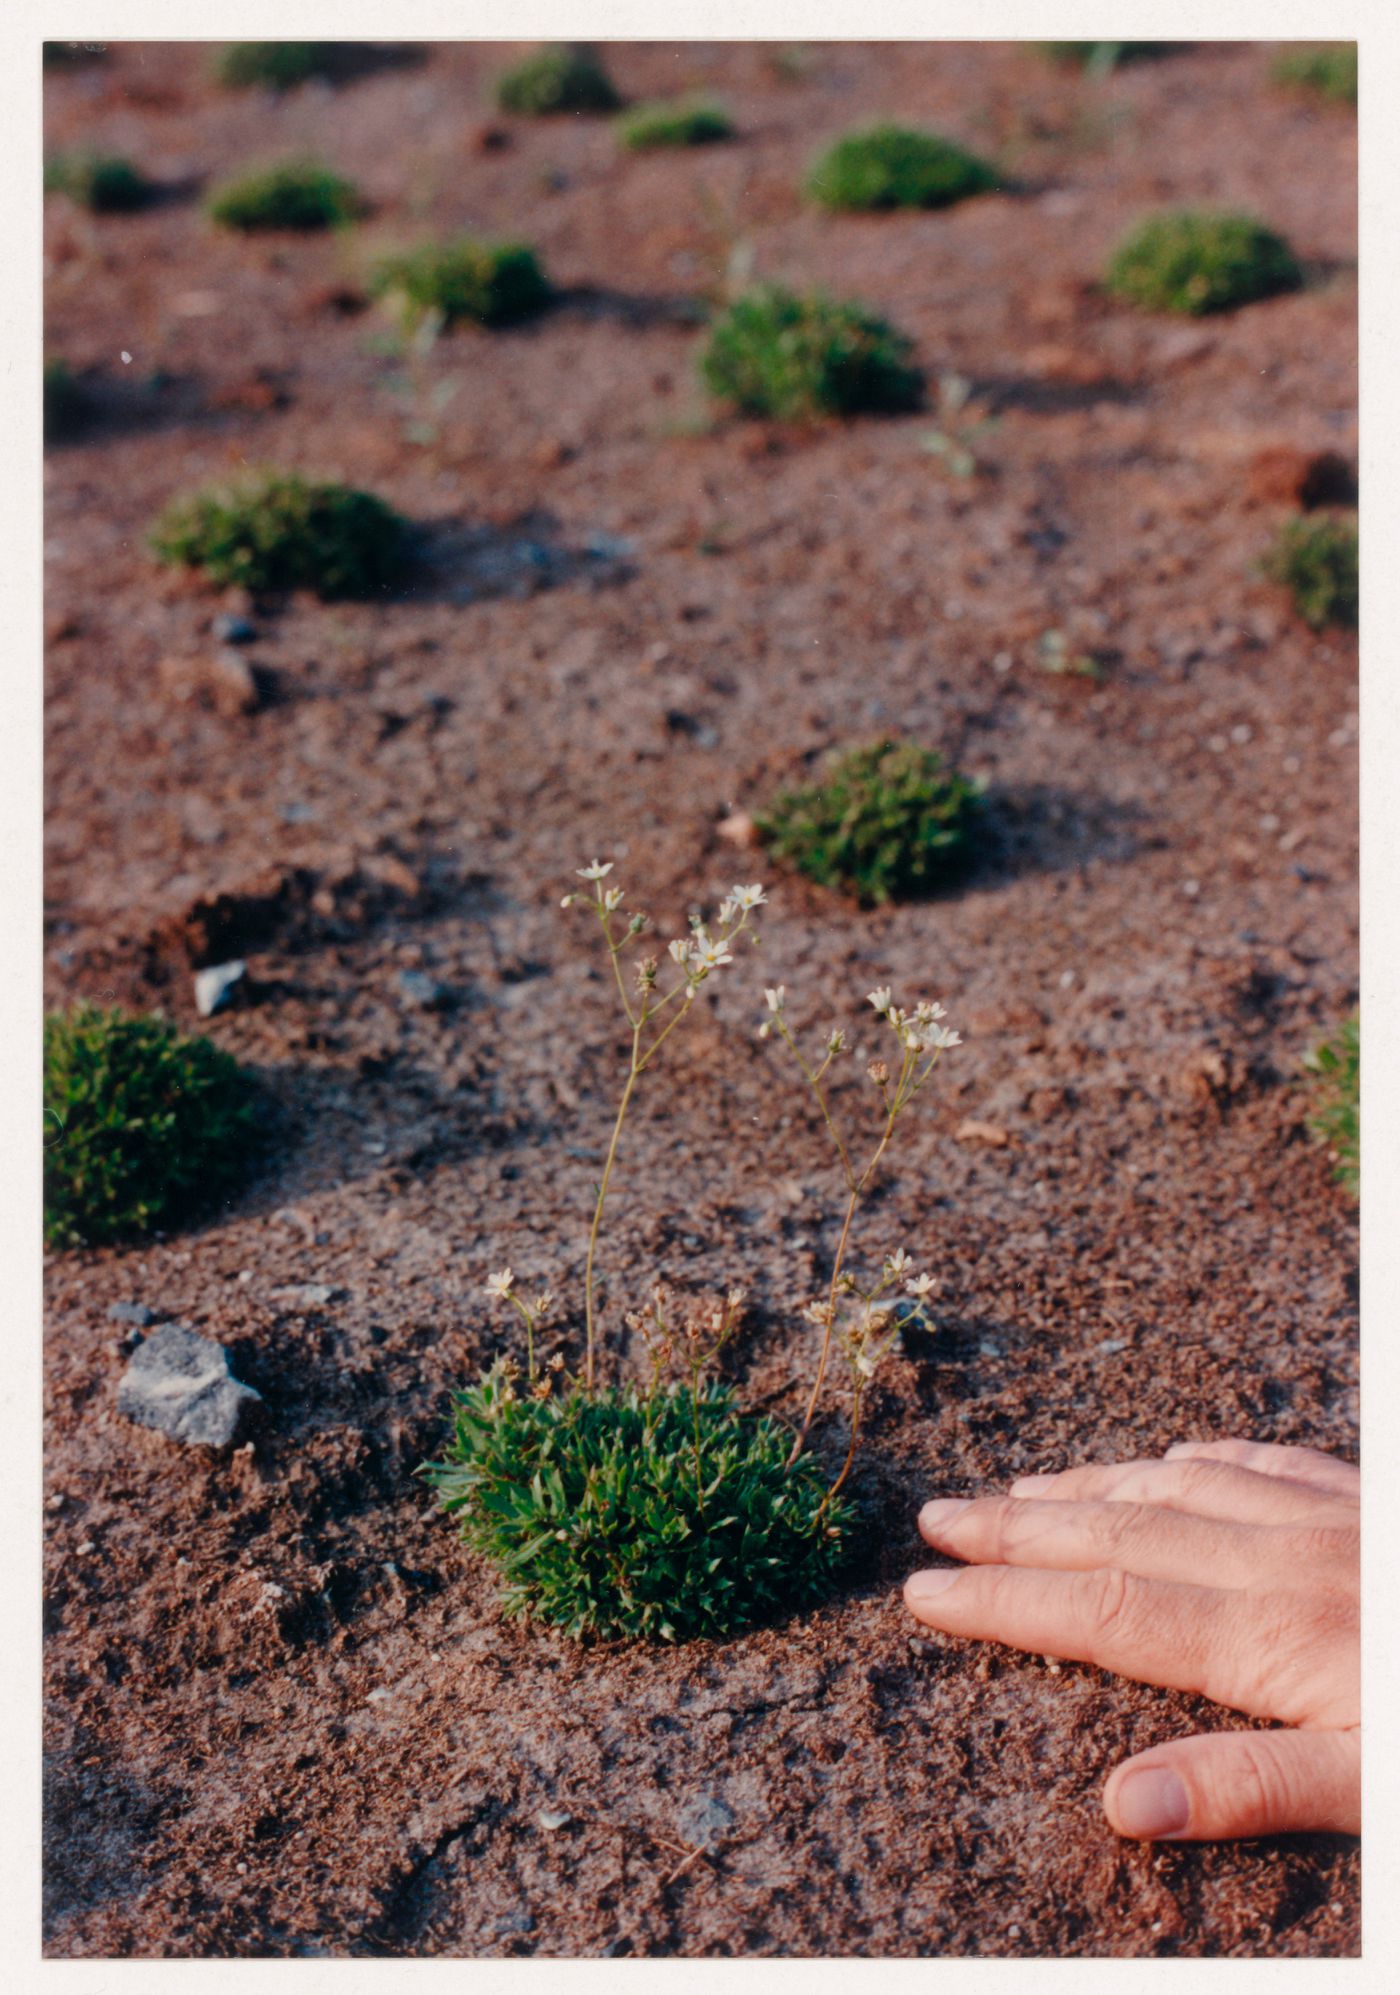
[599,1519]
[888,822]
[142,1126]
[1103,56]
[1335,1066]
[297,194]
[554,80]
[107,185]
[888,166]
[1328,71]
[1196,262]
[1315,557]
[490,283]
[272,65]
[678,122]
[281,532]
[64,402]
[776,353]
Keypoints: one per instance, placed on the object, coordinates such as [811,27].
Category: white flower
[568,900]
[679,951]
[927,1012]
[913,1040]
[919,1285]
[594,872]
[711,954]
[937,1036]
[865,1366]
[766,1029]
[880,998]
[726,913]
[775,997]
[612,898]
[500,1284]
[544,1303]
[895,1017]
[897,1262]
[747,897]
[818,1313]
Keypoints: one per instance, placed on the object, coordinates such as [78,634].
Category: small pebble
[56,1501]
[551,1818]
[130,1312]
[234,630]
[213,985]
[1242,734]
[1190,888]
[86,1546]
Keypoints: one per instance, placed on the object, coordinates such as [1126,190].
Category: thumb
[1238,1784]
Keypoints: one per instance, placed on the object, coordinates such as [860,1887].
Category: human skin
[1228,1568]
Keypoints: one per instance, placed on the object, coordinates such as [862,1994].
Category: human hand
[1229,1568]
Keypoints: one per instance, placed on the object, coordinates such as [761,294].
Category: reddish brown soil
[1163,922]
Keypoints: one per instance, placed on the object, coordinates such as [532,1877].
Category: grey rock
[307,1295]
[512,1922]
[234,630]
[608,546]
[130,1312]
[421,989]
[213,985]
[703,1819]
[180,1384]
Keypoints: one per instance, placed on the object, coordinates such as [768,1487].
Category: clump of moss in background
[554,80]
[297,194]
[142,1126]
[888,166]
[1197,261]
[64,402]
[272,65]
[104,183]
[1100,57]
[776,353]
[1327,71]
[887,822]
[663,1516]
[1316,559]
[68,55]
[1335,1066]
[491,283]
[681,122]
[281,532]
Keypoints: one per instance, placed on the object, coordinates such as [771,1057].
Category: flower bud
[879,1072]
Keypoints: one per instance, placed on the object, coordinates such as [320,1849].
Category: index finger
[1206,1488]
[1308,1465]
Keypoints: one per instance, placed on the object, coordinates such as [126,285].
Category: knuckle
[1102,1600]
[1120,1525]
[1260,1783]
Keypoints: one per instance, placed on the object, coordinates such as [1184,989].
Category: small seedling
[1328,71]
[680,122]
[1102,58]
[1335,1067]
[776,353]
[142,1126]
[1315,558]
[281,532]
[888,166]
[555,80]
[298,194]
[660,1510]
[488,283]
[1197,261]
[106,185]
[64,401]
[273,65]
[888,822]
[953,442]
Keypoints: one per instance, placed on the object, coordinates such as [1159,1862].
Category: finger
[1238,1784]
[1307,1465]
[1156,1631]
[1205,1488]
[1142,1538]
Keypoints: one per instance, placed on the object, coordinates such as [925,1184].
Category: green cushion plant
[489,283]
[1198,261]
[888,821]
[106,184]
[272,65]
[1335,1066]
[889,166]
[1328,71]
[1315,557]
[776,353]
[143,1127]
[296,194]
[682,121]
[555,80]
[281,532]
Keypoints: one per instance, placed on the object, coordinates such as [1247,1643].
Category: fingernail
[1027,1485]
[935,1580]
[1151,1802]
[934,1516]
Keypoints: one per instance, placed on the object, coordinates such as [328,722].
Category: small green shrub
[557,79]
[492,283]
[1328,71]
[1198,262]
[1315,558]
[106,185]
[680,122]
[142,1126]
[64,401]
[775,353]
[272,65]
[1336,1119]
[1101,57]
[297,194]
[664,1516]
[282,533]
[888,822]
[888,166]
